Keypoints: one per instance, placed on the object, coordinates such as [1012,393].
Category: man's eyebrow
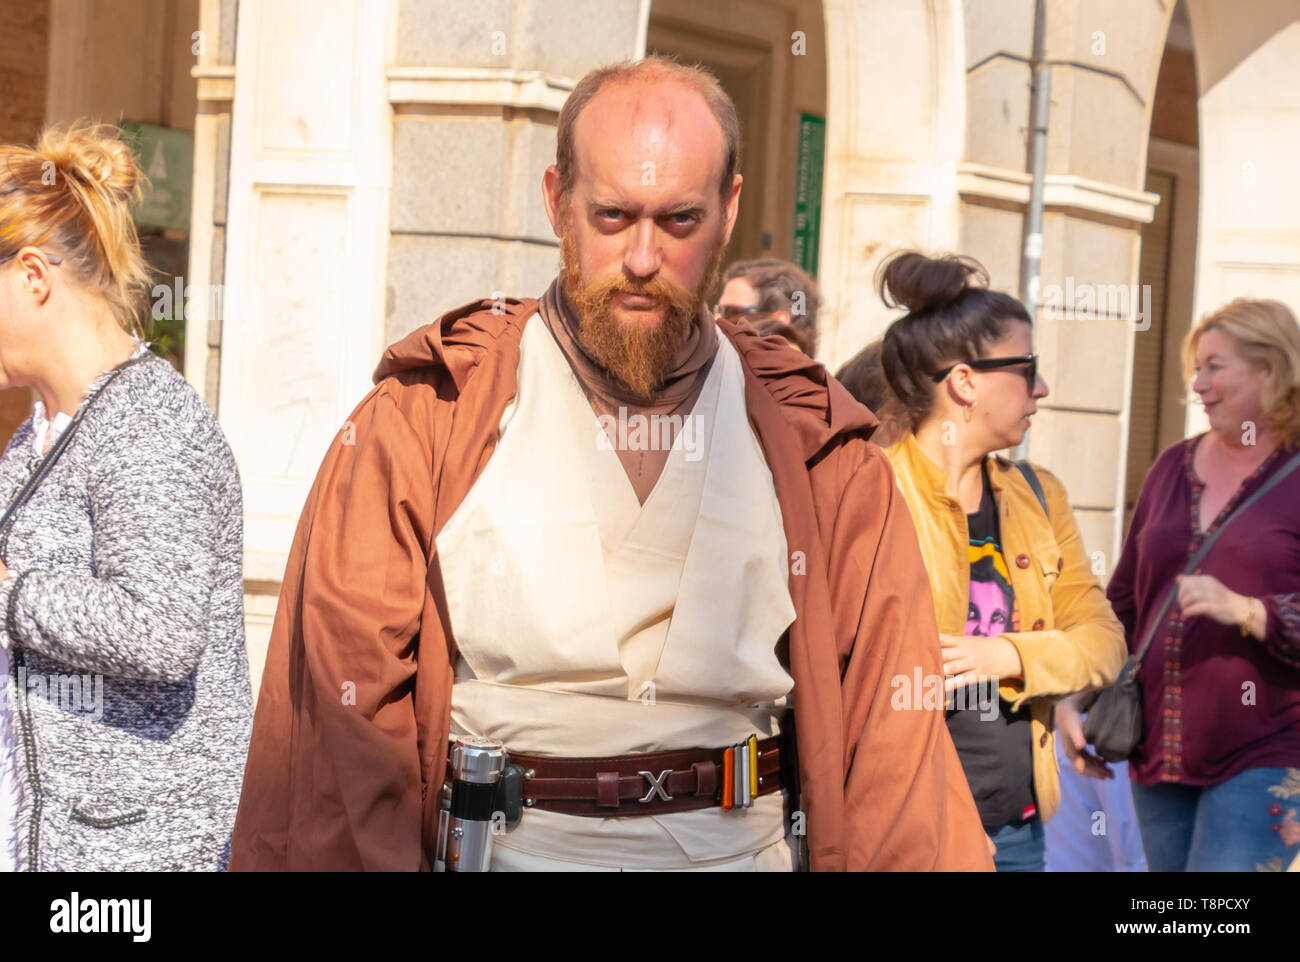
[685,207]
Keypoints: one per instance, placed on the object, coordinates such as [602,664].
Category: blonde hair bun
[95,155]
[71,195]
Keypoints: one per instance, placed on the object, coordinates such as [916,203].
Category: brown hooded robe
[350,735]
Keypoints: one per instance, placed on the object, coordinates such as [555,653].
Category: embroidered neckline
[1198,489]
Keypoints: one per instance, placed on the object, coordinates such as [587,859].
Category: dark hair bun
[911,280]
[951,316]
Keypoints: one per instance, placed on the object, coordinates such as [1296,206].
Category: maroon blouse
[1214,703]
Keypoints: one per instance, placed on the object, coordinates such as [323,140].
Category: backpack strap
[1037,486]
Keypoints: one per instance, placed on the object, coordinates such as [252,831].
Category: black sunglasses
[734,311]
[52,258]
[993,363]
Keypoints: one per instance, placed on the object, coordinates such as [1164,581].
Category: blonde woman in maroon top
[1216,777]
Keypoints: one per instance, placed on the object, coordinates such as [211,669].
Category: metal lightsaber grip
[465,820]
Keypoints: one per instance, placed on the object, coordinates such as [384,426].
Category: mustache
[606,289]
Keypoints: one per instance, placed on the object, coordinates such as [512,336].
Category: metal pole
[1040,99]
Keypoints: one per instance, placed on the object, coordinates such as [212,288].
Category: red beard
[638,357]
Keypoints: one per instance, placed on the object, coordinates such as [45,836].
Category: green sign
[808,191]
[167,157]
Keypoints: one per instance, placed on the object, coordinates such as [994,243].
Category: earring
[968,410]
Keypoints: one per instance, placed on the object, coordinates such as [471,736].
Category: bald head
[658,90]
[660,135]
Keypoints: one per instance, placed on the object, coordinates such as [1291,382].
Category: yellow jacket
[1074,641]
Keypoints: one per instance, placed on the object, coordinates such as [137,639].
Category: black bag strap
[1195,560]
[47,463]
[1034,484]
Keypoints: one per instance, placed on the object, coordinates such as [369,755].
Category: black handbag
[1114,723]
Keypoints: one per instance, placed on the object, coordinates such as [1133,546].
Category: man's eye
[684,219]
[611,214]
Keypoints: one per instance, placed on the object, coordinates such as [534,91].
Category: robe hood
[817,407]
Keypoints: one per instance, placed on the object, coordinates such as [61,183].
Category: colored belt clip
[742,777]
[728,778]
[753,766]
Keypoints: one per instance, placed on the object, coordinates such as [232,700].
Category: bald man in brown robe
[366,661]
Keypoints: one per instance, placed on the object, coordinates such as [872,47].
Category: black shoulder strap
[1195,560]
[1032,477]
[46,463]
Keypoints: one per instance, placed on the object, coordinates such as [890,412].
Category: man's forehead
[633,136]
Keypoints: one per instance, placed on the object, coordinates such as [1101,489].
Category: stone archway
[896,108]
[1249,107]
[928,113]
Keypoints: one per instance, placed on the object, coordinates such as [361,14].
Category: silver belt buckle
[656,785]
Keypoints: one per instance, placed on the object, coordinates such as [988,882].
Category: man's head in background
[864,377]
[776,297]
[643,196]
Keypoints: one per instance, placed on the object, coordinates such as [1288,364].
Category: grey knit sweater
[132,705]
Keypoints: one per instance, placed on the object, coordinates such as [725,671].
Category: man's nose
[642,258]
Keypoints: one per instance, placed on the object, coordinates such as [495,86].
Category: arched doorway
[1167,266]
[771,58]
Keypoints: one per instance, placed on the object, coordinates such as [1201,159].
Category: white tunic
[589,624]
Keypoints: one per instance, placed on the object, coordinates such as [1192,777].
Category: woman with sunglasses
[1022,620]
[125,706]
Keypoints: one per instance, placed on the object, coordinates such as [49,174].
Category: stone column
[302,292]
[1250,142]
[895,99]
[476,92]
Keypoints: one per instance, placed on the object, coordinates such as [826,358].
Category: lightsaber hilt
[465,823]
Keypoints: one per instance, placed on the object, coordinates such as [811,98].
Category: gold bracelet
[1250,616]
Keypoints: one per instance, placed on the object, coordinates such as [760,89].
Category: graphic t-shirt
[992,742]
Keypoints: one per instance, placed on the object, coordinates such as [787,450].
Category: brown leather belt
[636,784]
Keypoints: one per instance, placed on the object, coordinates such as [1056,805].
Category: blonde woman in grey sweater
[125,705]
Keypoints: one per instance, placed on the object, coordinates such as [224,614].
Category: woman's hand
[969,658]
[1069,723]
[1207,595]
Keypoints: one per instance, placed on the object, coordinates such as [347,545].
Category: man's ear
[553,197]
[731,207]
